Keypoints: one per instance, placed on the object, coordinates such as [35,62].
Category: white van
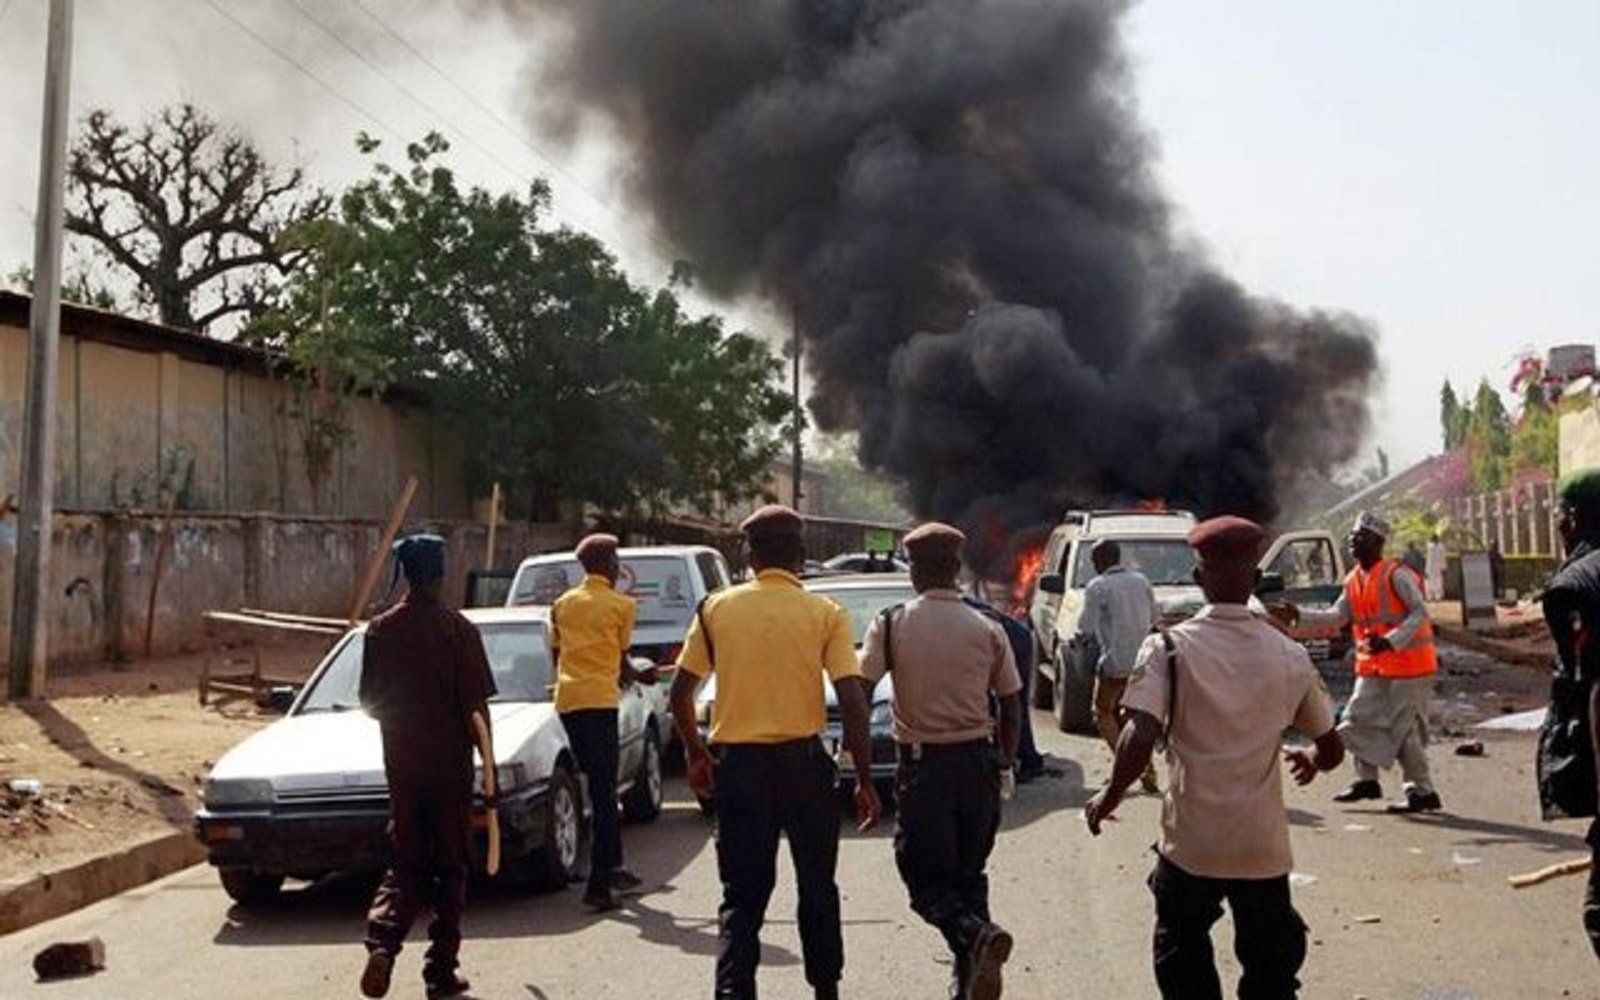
[667,581]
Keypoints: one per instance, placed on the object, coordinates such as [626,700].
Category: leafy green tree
[1489,439]
[1453,418]
[854,492]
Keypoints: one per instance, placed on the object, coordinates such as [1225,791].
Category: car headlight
[236,792]
[509,777]
[881,716]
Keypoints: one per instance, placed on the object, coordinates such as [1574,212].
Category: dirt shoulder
[119,753]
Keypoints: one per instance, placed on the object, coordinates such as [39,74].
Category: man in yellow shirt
[591,628]
[772,644]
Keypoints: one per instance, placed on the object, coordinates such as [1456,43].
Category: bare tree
[191,210]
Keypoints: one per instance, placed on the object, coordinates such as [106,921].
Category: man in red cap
[771,644]
[947,661]
[1221,695]
[591,628]
[424,674]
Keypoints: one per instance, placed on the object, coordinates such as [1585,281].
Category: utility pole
[31,579]
[795,492]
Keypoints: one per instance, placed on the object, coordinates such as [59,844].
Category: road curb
[1483,644]
[28,901]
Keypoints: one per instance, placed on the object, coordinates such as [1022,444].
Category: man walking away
[1387,715]
[947,662]
[1221,695]
[424,674]
[591,628]
[1572,611]
[771,644]
[1119,611]
[1030,762]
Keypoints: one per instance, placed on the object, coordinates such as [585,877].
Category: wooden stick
[155,574]
[286,616]
[256,621]
[494,522]
[379,558]
[1575,866]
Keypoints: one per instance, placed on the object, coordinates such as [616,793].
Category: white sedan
[306,796]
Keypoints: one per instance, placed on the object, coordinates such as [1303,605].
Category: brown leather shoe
[375,977]
[989,952]
[447,984]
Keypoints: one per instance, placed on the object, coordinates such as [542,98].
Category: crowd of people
[1214,694]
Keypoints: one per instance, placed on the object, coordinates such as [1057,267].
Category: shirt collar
[1226,612]
[941,594]
[775,575]
[1118,568]
[595,580]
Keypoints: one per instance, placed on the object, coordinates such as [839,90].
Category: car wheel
[556,863]
[708,807]
[1074,697]
[643,801]
[249,887]
[1044,689]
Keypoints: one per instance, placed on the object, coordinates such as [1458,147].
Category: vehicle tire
[643,801]
[555,864]
[1074,699]
[249,887]
[1044,689]
[708,807]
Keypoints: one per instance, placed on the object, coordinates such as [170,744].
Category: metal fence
[1520,520]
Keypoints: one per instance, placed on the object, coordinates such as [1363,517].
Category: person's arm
[1328,753]
[1136,744]
[1405,588]
[839,661]
[370,689]
[1337,616]
[1006,683]
[1089,617]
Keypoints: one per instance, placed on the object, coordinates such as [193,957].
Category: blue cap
[420,557]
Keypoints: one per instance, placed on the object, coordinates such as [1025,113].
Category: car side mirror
[1053,583]
[280,698]
[1269,584]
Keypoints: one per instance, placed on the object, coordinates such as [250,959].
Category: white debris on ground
[1517,722]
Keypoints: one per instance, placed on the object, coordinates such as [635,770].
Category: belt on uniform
[811,746]
[917,751]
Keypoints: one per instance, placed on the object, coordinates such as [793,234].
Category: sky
[1428,165]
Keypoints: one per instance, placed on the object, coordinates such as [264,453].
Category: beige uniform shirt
[1241,682]
[947,658]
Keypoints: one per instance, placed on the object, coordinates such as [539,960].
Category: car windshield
[1163,561]
[519,656]
[659,584]
[862,604]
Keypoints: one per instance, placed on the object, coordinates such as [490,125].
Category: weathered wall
[139,405]
[1579,446]
[103,563]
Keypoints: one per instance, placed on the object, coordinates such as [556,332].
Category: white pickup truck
[1304,567]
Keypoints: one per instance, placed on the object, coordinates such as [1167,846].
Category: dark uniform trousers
[593,735]
[430,827]
[762,790]
[1269,936]
[949,812]
[1591,899]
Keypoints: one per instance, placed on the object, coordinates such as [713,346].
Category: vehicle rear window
[519,656]
[660,585]
[1163,561]
[862,604]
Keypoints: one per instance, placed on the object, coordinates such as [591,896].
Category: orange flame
[1151,505]
[1029,562]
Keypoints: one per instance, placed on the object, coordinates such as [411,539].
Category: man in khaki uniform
[1222,696]
[772,644]
[946,660]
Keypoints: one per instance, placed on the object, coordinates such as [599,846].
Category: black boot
[1364,789]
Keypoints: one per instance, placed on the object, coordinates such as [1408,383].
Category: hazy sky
[1427,164]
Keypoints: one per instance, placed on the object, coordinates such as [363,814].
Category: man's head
[597,553]
[1367,537]
[1105,554]
[775,537]
[421,559]
[1578,507]
[1226,552]
[935,551]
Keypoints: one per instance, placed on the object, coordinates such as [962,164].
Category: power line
[303,68]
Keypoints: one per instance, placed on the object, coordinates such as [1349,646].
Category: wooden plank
[256,621]
[288,616]
[380,557]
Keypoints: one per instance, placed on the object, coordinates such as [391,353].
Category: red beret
[773,519]
[596,546]
[1228,538]
[934,538]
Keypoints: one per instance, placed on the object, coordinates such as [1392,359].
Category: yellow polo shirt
[590,626]
[772,643]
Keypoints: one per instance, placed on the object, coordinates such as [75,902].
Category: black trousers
[430,827]
[949,812]
[764,790]
[593,735]
[1591,899]
[1269,936]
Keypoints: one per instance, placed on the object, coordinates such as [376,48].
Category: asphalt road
[1398,907]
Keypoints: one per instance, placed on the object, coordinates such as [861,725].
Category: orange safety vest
[1376,609]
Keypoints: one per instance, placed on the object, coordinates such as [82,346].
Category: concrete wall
[137,404]
[1579,446]
[102,566]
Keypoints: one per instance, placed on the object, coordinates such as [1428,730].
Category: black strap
[886,616]
[1172,684]
[705,631]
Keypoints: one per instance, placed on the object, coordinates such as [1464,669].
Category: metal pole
[28,631]
[799,415]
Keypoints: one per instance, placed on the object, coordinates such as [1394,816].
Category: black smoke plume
[955,198]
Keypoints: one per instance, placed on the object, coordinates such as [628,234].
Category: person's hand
[1008,783]
[1302,765]
[1101,808]
[702,779]
[1379,644]
[868,808]
[1284,612]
